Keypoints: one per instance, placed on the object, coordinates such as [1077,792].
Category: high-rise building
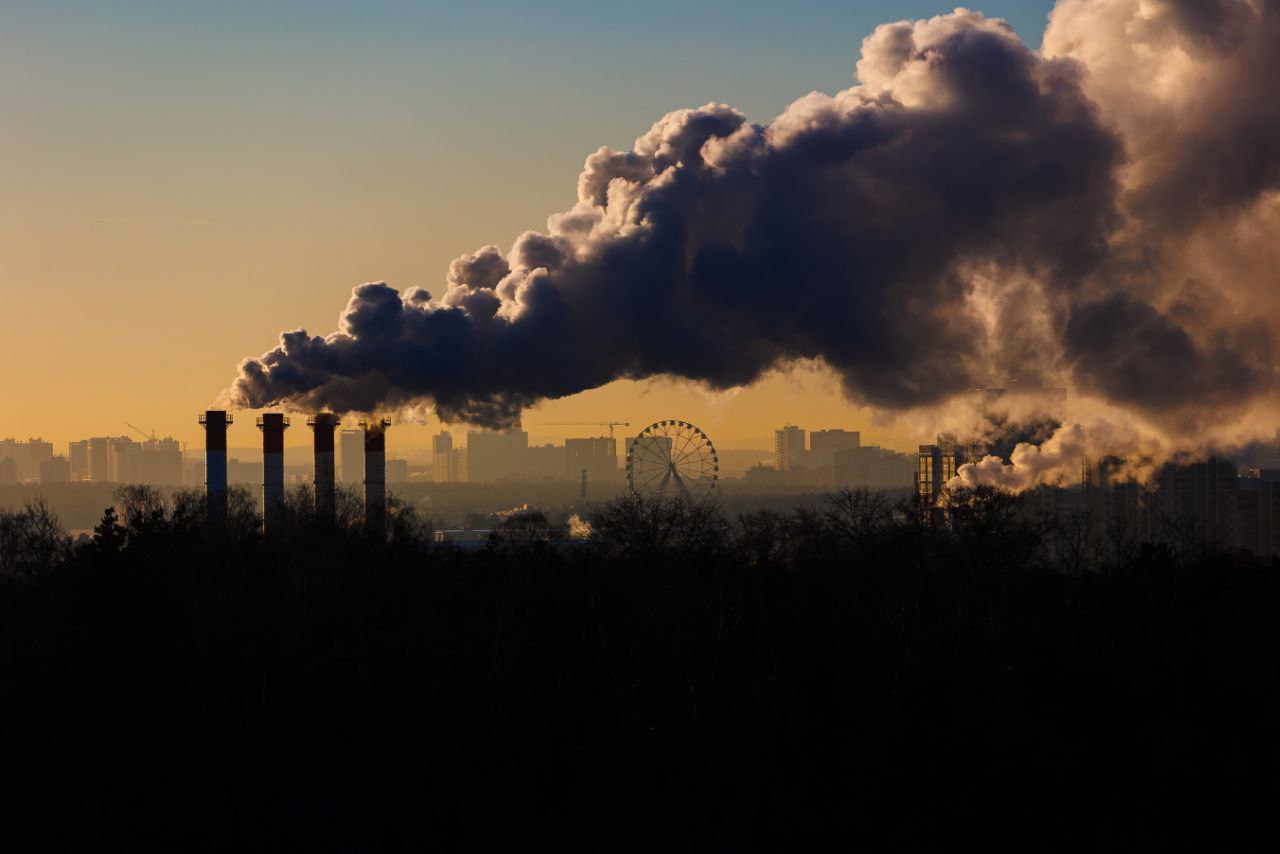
[120,459]
[442,442]
[100,459]
[351,452]
[78,457]
[1258,511]
[8,471]
[545,462]
[193,471]
[875,467]
[38,451]
[247,473]
[103,457]
[443,460]
[1198,499]
[598,455]
[27,456]
[442,468]
[397,471]
[124,457]
[823,445]
[937,465]
[162,462]
[55,470]
[788,448]
[494,455]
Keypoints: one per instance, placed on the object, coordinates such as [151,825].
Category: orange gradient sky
[177,186]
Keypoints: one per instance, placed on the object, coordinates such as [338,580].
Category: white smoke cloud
[1057,460]
[971,213]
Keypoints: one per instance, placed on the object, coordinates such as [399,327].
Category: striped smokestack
[323,424]
[375,474]
[272,425]
[215,423]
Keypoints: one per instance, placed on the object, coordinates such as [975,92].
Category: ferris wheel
[672,458]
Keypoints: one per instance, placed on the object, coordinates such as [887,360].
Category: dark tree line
[852,676]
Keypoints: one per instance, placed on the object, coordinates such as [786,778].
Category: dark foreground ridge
[850,679]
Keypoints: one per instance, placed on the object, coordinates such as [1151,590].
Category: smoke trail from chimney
[971,213]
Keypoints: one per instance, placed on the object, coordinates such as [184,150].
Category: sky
[180,181]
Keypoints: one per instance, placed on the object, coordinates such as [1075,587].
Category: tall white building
[788,448]
[444,459]
[78,455]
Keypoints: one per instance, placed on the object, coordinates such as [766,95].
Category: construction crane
[141,432]
[609,424]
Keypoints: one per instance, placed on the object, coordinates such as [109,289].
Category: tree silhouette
[108,535]
[849,675]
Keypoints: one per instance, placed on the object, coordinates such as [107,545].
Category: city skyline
[123,459]
[184,272]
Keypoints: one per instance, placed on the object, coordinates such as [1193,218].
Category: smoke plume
[1057,460]
[1098,214]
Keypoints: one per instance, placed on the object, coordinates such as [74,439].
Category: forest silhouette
[855,676]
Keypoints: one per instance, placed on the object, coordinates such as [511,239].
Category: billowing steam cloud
[971,213]
[1057,459]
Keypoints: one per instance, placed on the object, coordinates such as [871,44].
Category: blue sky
[624,61]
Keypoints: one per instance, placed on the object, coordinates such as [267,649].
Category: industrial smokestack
[215,423]
[323,424]
[272,425]
[375,474]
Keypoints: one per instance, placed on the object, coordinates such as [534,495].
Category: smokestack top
[215,423]
[273,425]
[215,418]
[375,434]
[324,423]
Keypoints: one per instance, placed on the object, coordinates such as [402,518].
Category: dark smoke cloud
[1193,87]
[1132,352]
[971,213]
[1225,155]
